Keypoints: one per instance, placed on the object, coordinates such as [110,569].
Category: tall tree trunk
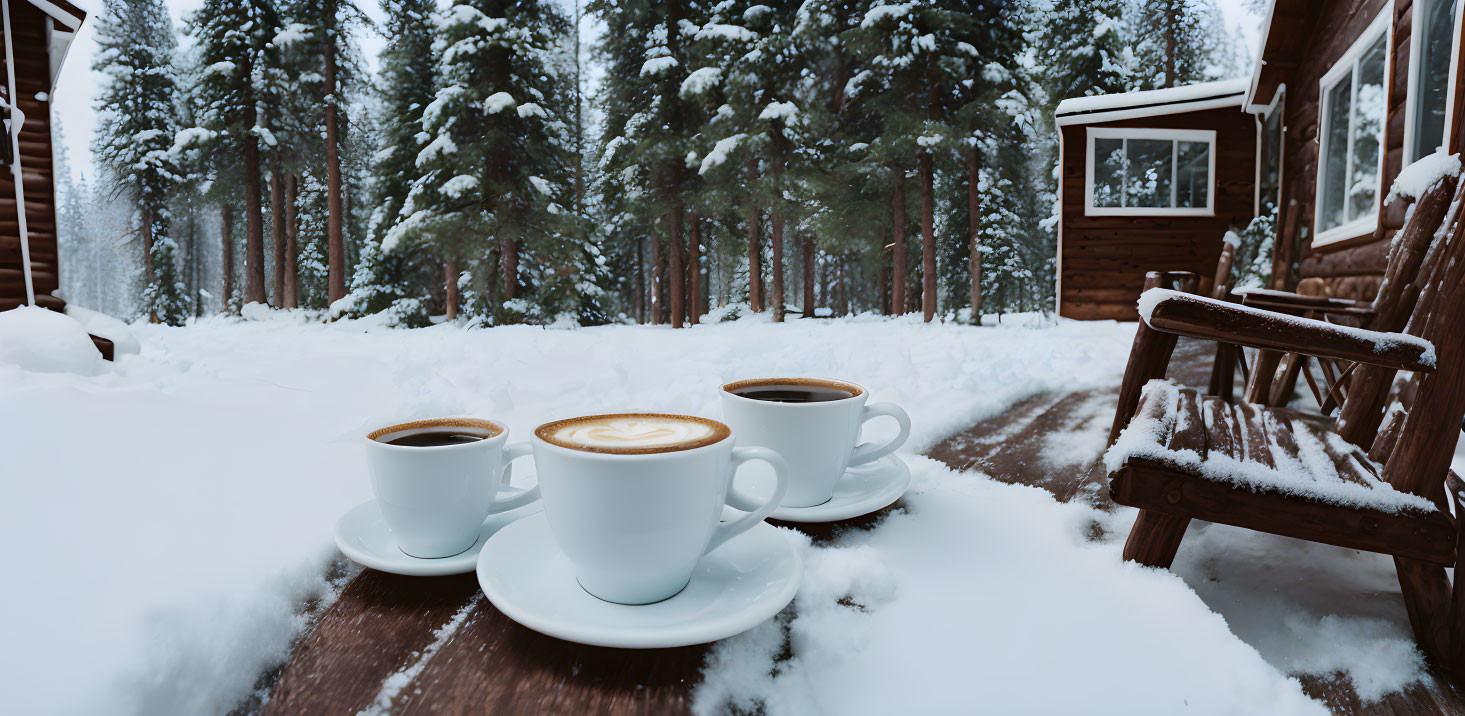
[694,270]
[755,260]
[147,258]
[777,268]
[450,283]
[1171,20]
[897,257]
[675,276]
[335,238]
[640,282]
[277,229]
[974,207]
[292,231]
[254,240]
[509,264]
[226,246]
[928,240]
[842,292]
[808,241]
[655,278]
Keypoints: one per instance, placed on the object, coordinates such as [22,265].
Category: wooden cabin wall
[1103,259]
[1352,268]
[32,76]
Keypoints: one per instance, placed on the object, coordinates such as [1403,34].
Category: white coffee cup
[435,499]
[816,438]
[635,520]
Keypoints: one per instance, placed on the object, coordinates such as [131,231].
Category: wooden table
[436,645]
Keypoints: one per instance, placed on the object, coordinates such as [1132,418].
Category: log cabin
[1344,95]
[38,34]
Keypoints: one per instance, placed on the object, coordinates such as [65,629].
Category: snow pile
[124,343]
[657,65]
[36,339]
[984,597]
[497,102]
[1415,180]
[1312,474]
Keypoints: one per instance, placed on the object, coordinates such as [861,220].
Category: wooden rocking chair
[1182,456]
[1409,259]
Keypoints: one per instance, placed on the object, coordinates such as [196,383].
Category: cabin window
[1351,136]
[1430,66]
[1137,172]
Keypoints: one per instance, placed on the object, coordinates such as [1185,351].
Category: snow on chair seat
[1254,448]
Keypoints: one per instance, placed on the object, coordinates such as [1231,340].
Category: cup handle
[869,452]
[741,455]
[512,453]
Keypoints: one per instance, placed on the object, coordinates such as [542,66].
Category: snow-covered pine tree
[994,112]
[912,57]
[400,280]
[847,191]
[137,118]
[649,124]
[749,77]
[492,180]
[231,40]
[1182,41]
[1085,48]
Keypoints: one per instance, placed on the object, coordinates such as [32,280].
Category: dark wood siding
[1103,259]
[32,76]
[1352,268]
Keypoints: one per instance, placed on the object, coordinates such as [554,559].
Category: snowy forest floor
[177,514]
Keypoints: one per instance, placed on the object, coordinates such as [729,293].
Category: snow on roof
[1109,107]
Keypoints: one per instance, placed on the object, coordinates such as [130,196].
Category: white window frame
[1366,225]
[1454,80]
[1174,135]
[1279,104]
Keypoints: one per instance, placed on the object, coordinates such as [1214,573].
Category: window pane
[1368,131]
[1108,162]
[1335,163]
[1271,162]
[1147,182]
[1193,174]
[1434,76]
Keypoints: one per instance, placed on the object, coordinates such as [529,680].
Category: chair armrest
[1207,318]
[1269,298]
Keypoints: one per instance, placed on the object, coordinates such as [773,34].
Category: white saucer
[862,490]
[735,588]
[363,536]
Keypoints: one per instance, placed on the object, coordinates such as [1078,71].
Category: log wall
[1103,259]
[33,78]
[1352,268]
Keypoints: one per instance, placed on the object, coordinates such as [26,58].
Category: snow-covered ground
[167,518]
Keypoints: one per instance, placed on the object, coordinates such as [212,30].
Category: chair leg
[1155,538]
[1426,590]
[1457,596]
[1259,386]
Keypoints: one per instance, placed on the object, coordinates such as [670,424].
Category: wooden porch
[1015,448]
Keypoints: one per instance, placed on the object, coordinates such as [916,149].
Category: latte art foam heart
[632,432]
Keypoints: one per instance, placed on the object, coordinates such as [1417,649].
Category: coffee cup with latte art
[437,480]
[634,500]
[814,424]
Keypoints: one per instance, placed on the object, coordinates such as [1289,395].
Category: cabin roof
[1148,103]
[1282,35]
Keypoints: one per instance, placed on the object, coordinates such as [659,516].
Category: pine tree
[233,37]
[1182,41]
[913,56]
[649,125]
[1085,48]
[138,116]
[492,181]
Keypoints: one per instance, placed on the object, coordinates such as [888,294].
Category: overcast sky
[78,83]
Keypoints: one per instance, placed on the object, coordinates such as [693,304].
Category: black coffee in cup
[435,438]
[788,393]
